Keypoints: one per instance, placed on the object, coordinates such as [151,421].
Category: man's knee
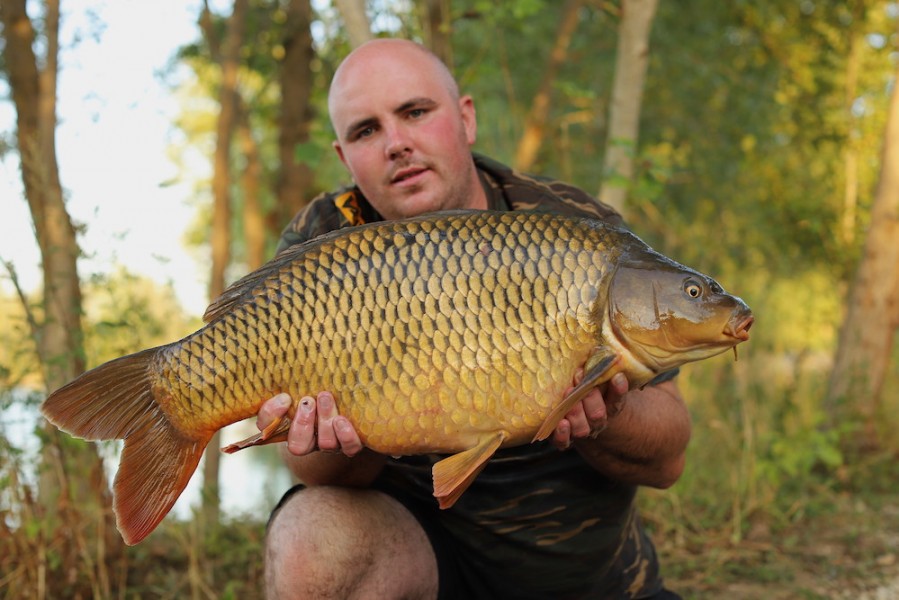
[326,542]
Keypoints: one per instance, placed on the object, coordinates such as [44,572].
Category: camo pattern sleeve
[326,212]
[521,191]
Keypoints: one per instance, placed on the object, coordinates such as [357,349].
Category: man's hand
[591,415]
[315,426]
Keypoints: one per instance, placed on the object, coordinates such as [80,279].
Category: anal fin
[594,376]
[454,474]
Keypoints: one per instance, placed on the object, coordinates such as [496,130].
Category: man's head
[403,131]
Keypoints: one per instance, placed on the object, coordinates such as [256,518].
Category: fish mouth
[738,328]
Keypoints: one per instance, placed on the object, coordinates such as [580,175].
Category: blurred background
[151,153]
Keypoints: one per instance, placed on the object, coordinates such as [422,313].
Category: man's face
[402,133]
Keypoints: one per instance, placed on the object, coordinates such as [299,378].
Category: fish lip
[403,174]
[739,329]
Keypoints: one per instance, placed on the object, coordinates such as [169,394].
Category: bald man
[548,520]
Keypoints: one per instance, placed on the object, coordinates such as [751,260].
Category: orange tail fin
[115,401]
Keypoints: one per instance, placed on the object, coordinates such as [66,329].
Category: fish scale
[454,333]
[439,324]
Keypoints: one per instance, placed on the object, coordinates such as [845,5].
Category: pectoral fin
[596,375]
[454,474]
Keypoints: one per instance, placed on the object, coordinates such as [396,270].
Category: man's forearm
[332,468]
[646,443]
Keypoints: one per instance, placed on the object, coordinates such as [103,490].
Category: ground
[848,552]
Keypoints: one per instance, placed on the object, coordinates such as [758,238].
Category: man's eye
[417,112]
[364,133]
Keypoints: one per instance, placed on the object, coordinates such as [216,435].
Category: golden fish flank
[455,333]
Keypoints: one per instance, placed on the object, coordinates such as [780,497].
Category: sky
[114,114]
[114,127]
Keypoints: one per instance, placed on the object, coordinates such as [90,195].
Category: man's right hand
[315,426]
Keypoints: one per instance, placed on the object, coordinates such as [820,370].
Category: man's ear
[336,145]
[469,119]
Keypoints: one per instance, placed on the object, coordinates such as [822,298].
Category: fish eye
[692,288]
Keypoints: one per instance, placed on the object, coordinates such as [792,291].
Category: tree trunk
[295,177]
[251,185]
[221,211]
[535,123]
[86,509]
[355,20]
[437,28]
[627,96]
[851,151]
[867,334]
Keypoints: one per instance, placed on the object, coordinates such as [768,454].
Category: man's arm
[638,437]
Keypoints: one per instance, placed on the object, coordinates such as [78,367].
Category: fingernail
[325,401]
[306,405]
[342,425]
[283,401]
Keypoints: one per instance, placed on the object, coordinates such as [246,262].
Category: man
[546,520]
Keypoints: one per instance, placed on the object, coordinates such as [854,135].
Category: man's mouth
[405,174]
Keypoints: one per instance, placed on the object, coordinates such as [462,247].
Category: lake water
[251,481]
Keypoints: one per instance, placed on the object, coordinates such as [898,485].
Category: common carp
[454,333]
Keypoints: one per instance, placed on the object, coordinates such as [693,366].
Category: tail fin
[116,401]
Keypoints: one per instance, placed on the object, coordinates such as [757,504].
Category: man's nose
[397,142]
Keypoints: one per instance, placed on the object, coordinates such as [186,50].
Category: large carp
[453,333]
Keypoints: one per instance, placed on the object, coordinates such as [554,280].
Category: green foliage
[125,313]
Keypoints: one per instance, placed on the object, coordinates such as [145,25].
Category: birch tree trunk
[627,97]
[355,20]
[869,328]
[535,123]
[72,485]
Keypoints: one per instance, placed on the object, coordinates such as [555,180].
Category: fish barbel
[454,333]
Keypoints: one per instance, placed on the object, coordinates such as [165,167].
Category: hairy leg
[330,542]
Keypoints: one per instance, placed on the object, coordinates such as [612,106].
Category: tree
[437,27]
[58,333]
[866,338]
[536,120]
[295,112]
[355,21]
[627,96]
[228,57]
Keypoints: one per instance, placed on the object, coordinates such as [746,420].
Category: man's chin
[412,205]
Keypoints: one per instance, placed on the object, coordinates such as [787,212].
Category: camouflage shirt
[537,522]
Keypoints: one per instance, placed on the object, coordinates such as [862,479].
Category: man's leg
[329,542]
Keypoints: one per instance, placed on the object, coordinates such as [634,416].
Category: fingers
[327,438]
[318,425]
[335,432]
[562,435]
[301,437]
[615,394]
[273,409]
[350,444]
[590,416]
